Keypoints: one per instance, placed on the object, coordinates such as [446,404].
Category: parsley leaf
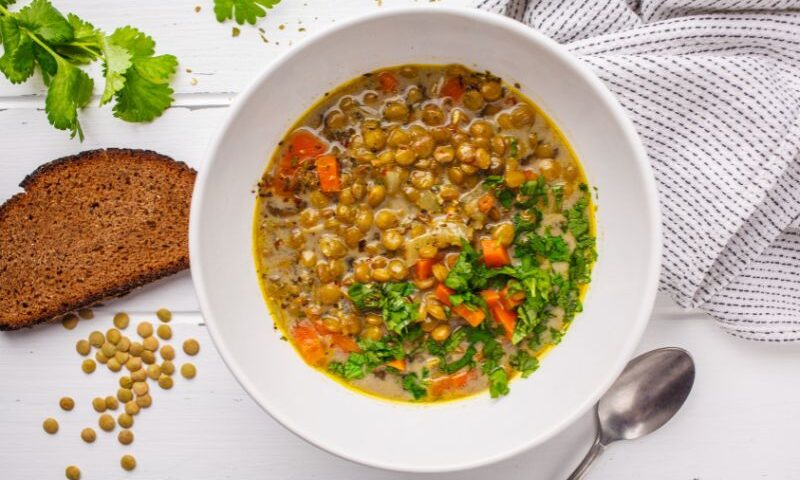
[392,298]
[242,10]
[42,19]
[524,362]
[552,247]
[469,273]
[146,92]
[413,385]
[498,383]
[69,90]
[38,34]
[373,354]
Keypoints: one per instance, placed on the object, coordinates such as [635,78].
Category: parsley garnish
[372,355]
[39,35]
[413,385]
[392,299]
[242,10]
[524,362]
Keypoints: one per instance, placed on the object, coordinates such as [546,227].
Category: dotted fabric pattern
[713,87]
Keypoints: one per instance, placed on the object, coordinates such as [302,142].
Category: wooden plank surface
[739,422]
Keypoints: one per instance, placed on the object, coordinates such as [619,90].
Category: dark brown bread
[90,227]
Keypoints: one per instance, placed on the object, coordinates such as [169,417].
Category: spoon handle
[591,455]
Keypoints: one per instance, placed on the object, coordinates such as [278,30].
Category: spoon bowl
[648,393]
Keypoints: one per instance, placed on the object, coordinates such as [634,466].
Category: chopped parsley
[391,298]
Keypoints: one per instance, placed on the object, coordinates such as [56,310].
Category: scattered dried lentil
[188,370]
[50,425]
[191,347]
[66,403]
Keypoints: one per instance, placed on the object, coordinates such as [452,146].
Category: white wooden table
[739,423]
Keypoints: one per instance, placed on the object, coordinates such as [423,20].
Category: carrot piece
[387,81]
[473,317]
[345,343]
[506,318]
[492,297]
[302,146]
[494,254]
[424,267]
[530,175]
[450,382]
[452,88]
[486,202]
[321,328]
[511,300]
[310,345]
[443,293]
[328,171]
[397,364]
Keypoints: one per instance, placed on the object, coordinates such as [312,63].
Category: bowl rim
[609,101]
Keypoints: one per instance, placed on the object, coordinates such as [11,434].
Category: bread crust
[115,288]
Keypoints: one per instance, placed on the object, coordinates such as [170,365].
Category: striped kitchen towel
[713,87]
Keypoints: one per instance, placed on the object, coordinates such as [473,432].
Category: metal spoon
[650,390]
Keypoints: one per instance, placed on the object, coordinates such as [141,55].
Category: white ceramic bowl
[452,435]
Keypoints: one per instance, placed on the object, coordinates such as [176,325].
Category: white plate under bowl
[452,435]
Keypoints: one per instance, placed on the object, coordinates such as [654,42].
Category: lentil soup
[424,233]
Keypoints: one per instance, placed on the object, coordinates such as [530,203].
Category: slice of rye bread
[91,227]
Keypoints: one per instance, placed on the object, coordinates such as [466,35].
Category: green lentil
[164,332]
[164,315]
[113,335]
[70,321]
[165,382]
[191,347]
[188,370]
[106,422]
[125,437]
[88,365]
[66,403]
[124,395]
[97,339]
[73,473]
[121,320]
[50,425]
[83,347]
[145,329]
[128,462]
[125,420]
[88,435]
[99,404]
[167,367]
[168,352]
[111,402]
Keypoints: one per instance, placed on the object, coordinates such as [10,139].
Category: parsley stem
[5,12]
[44,46]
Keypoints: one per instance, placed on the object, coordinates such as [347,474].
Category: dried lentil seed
[106,422]
[70,321]
[99,404]
[88,365]
[164,332]
[83,347]
[145,329]
[86,314]
[88,435]
[97,339]
[131,408]
[111,402]
[113,336]
[50,425]
[167,367]
[121,320]
[144,401]
[168,352]
[191,347]
[154,371]
[165,382]
[73,473]
[148,357]
[125,420]
[188,371]
[164,315]
[125,437]
[124,395]
[66,403]
[151,343]
[128,462]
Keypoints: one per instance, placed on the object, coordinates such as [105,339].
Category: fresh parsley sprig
[38,35]
[242,10]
